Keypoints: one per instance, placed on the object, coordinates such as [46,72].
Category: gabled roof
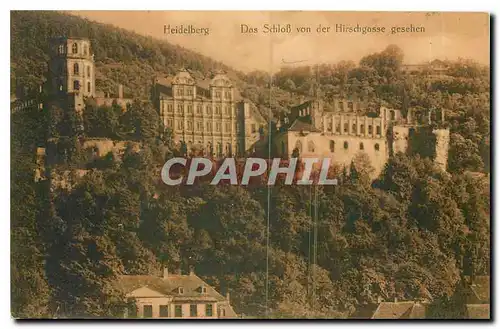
[399,310]
[301,125]
[169,286]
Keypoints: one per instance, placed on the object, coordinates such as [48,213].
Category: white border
[364,5]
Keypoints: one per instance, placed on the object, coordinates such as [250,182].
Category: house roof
[301,125]
[169,286]
[399,310]
[478,311]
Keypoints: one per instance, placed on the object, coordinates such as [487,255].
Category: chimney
[120,91]
[165,272]
[191,270]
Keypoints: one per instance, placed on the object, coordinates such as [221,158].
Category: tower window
[361,146]
[74,48]
[76,69]
[377,147]
[88,87]
[76,85]
[346,145]
[310,146]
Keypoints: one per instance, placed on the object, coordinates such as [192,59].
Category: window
[362,129]
[393,115]
[180,125]
[310,146]
[226,110]
[203,289]
[350,106]
[170,123]
[378,130]
[181,290]
[209,126]
[208,309]
[346,145]
[354,128]
[209,109]
[330,126]
[217,127]
[341,105]
[193,310]
[190,92]
[179,108]
[254,128]
[199,126]
[76,69]
[219,149]
[190,125]
[346,127]
[88,71]
[170,108]
[217,94]
[61,49]
[337,128]
[198,109]
[377,147]
[190,109]
[361,146]
[370,129]
[76,85]
[181,92]
[332,146]
[217,110]
[74,48]
[163,311]
[178,311]
[298,146]
[148,311]
[88,87]
[228,127]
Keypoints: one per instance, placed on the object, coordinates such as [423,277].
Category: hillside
[122,57]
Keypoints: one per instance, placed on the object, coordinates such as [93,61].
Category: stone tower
[72,70]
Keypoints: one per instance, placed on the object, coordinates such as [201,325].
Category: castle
[211,117]
[343,130]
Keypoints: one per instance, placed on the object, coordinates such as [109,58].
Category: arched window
[346,145]
[76,69]
[377,147]
[74,48]
[332,146]
[310,146]
[298,146]
[88,87]
[76,85]
[361,146]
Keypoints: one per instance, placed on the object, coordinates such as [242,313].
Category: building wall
[442,147]
[321,146]
[186,314]
[400,136]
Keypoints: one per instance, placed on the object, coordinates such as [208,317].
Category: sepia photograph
[250,165]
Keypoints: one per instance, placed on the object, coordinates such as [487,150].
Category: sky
[446,36]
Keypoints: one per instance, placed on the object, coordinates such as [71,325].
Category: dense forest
[414,229]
